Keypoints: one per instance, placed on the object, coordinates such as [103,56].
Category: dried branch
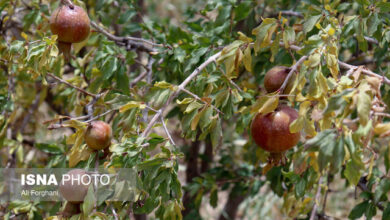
[167,131]
[292,13]
[128,42]
[70,85]
[294,68]
[180,89]
[349,66]
[114,212]
[141,76]
[365,71]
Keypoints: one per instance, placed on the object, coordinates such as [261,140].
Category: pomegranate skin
[70,23]
[76,192]
[272,131]
[275,77]
[98,135]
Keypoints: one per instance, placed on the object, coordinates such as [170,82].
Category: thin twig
[167,131]
[294,68]
[365,71]
[70,85]
[317,199]
[199,99]
[129,42]
[230,81]
[180,88]
[144,74]
[114,212]
[292,13]
[387,115]
[60,125]
[349,66]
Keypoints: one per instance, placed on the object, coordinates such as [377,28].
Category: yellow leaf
[243,37]
[382,129]
[80,153]
[304,108]
[313,60]
[130,105]
[331,31]
[185,101]
[237,62]
[196,119]
[309,128]
[269,105]
[24,35]
[248,59]
[163,85]
[297,125]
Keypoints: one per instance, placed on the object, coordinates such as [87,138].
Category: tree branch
[73,86]
[167,131]
[294,68]
[180,89]
[348,66]
[127,41]
[201,100]
[317,199]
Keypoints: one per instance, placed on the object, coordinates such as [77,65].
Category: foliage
[183,92]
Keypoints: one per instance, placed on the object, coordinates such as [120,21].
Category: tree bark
[191,172]
[230,210]
[208,156]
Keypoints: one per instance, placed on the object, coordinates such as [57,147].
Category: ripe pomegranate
[70,210]
[98,135]
[74,191]
[271,131]
[71,24]
[275,77]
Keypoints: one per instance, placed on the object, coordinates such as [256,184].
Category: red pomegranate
[272,131]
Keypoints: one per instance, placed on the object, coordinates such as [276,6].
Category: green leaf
[89,201]
[193,106]
[150,163]
[386,212]
[300,188]
[214,197]
[337,103]
[262,31]
[310,22]
[371,211]
[326,150]
[372,23]
[384,7]
[382,189]
[337,158]
[288,36]
[242,10]
[122,80]
[317,141]
[110,65]
[352,172]
[358,210]
[49,148]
